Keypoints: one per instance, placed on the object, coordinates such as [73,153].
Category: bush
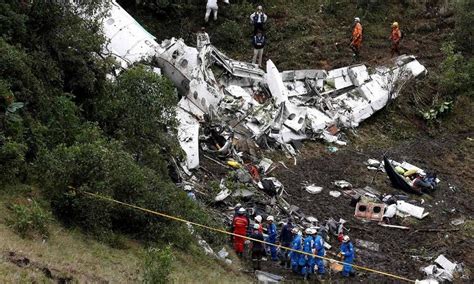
[157,266]
[29,219]
[12,161]
[457,73]
[229,36]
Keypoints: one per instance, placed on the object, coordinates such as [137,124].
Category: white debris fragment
[335,193]
[413,210]
[446,264]
[342,184]
[223,253]
[313,189]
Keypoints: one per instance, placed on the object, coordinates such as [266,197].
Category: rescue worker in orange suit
[239,226]
[356,39]
[395,37]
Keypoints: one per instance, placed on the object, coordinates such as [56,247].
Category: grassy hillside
[68,254]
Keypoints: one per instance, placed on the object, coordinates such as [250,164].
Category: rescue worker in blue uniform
[307,262]
[348,255]
[320,251]
[272,237]
[296,245]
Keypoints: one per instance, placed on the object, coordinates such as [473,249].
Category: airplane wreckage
[244,103]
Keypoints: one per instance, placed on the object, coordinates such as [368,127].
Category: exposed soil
[56,275]
[397,247]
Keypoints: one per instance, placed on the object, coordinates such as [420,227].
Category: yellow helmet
[395,24]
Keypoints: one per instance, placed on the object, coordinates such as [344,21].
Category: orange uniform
[356,40]
[395,37]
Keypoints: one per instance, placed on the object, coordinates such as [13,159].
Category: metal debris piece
[313,189]
[368,245]
[413,210]
[342,184]
[223,253]
[458,221]
[266,277]
[449,266]
[335,193]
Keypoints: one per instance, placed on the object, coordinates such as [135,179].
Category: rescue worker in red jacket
[395,37]
[356,39]
[240,225]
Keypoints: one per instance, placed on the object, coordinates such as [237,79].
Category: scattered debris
[332,149]
[335,193]
[369,211]
[313,189]
[413,210]
[458,221]
[342,184]
[368,245]
[223,253]
[266,277]
[394,226]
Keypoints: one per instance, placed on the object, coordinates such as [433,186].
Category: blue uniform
[295,257]
[347,250]
[319,246]
[306,261]
[272,237]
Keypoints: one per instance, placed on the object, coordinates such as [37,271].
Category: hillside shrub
[28,219]
[157,266]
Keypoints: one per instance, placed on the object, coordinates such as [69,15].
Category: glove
[339,255]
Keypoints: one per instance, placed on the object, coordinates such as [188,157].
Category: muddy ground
[397,247]
[401,252]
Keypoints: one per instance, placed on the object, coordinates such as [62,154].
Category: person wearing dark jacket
[286,237]
[258,42]
[258,248]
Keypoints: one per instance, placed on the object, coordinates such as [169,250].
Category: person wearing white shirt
[211,7]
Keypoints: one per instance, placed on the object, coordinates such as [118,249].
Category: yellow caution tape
[245,237]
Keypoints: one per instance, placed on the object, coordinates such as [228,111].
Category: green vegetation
[28,219]
[66,128]
[158,265]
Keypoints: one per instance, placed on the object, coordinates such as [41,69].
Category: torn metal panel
[188,137]
[413,210]
[449,266]
[358,74]
[237,68]
[275,84]
[295,116]
[339,78]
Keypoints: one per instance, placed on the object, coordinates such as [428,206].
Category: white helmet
[346,238]
[242,210]
[357,19]
[258,218]
[238,205]
[308,231]
[294,230]
[259,7]
[256,226]
[270,218]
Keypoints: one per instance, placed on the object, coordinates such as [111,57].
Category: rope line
[241,236]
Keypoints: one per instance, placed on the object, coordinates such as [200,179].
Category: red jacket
[240,225]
